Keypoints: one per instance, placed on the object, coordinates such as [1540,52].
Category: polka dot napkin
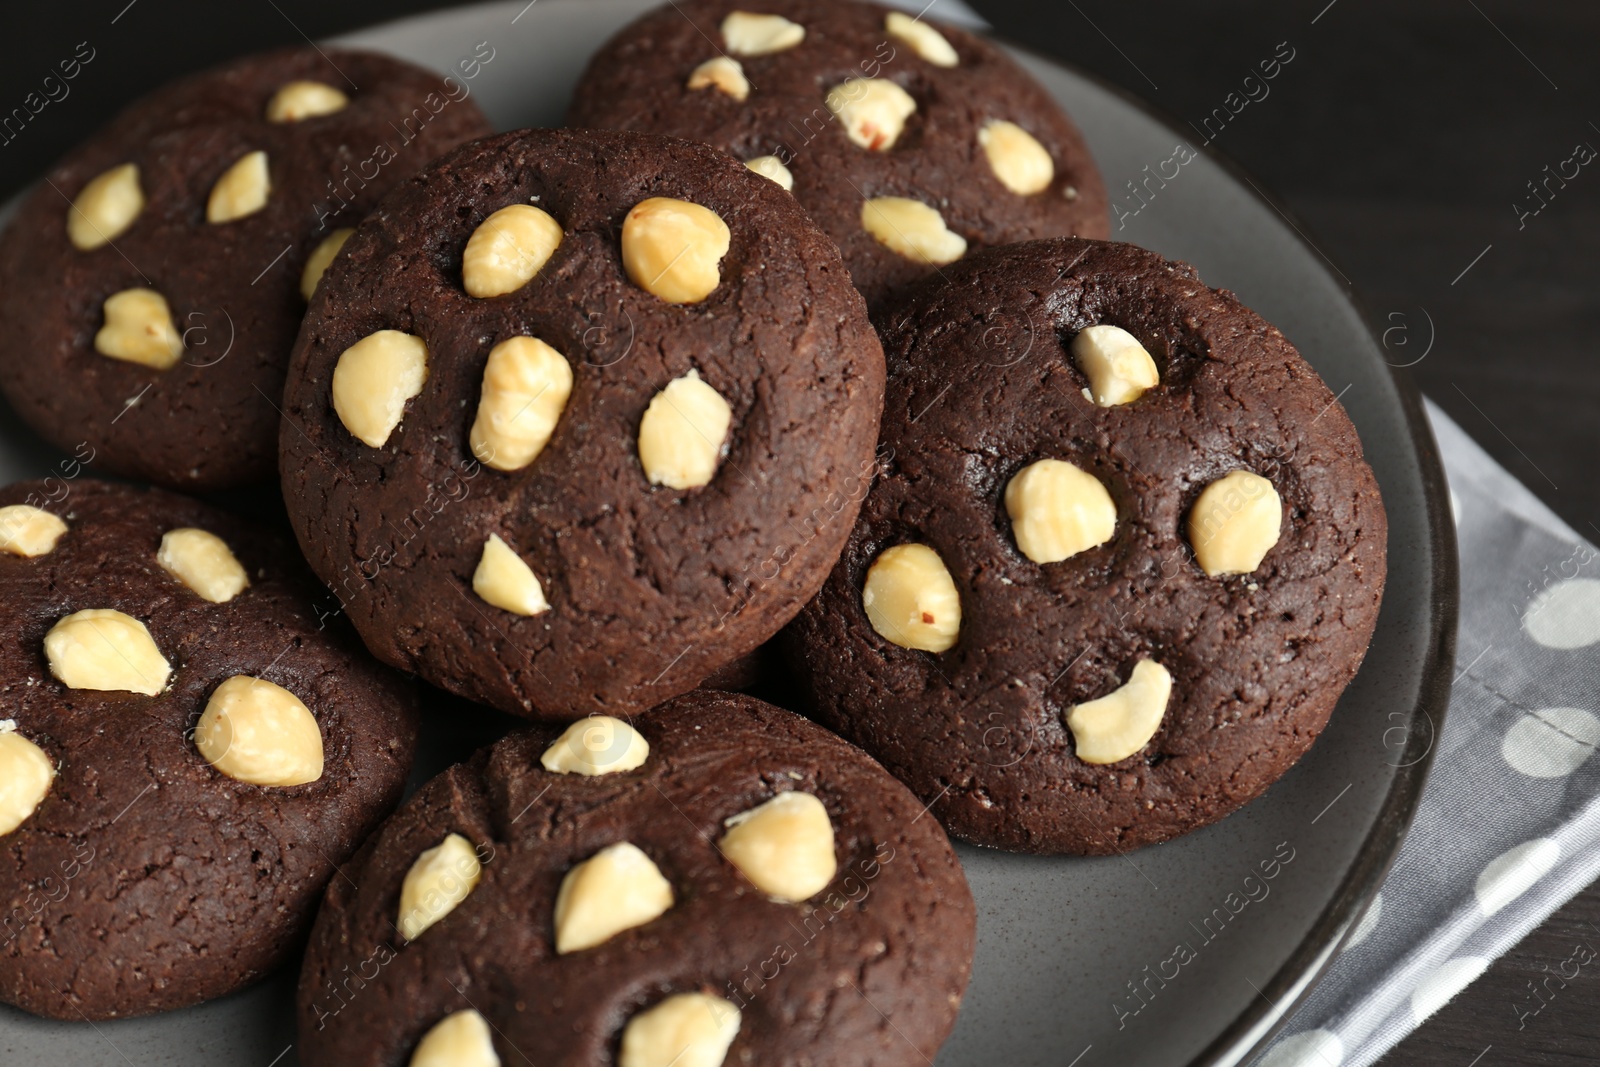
[1509,826]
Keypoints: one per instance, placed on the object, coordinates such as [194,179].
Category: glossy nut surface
[504,580]
[912,229]
[748,34]
[374,379]
[508,249]
[301,100]
[684,1030]
[1234,524]
[526,385]
[139,329]
[105,208]
[105,650]
[1118,367]
[1123,721]
[29,531]
[203,561]
[911,600]
[614,890]
[25,776]
[785,846]
[241,191]
[257,732]
[682,433]
[1058,510]
[673,249]
[1022,164]
[440,879]
[597,745]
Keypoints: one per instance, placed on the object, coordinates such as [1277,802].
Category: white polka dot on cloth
[1314,1048]
[1369,923]
[1440,987]
[1514,872]
[1551,742]
[1565,615]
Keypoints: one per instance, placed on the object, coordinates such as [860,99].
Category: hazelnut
[683,432]
[106,650]
[785,846]
[911,600]
[25,777]
[772,168]
[459,1040]
[912,229]
[374,379]
[526,384]
[684,1030]
[1235,523]
[921,38]
[139,329]
[672,249]
[1122,722]
[440,879]
[320,258]
[1117,366]
[260,733]
[1022,164]
[105,208]
[203,562]
[747,34]
[873,111]
[242,190]
[507,249]
[305,100]
[505,581]
[1058,510]
[614,890]
[596,745]
[722,74]
[29,531]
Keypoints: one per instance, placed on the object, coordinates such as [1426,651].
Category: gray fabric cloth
[1509,825]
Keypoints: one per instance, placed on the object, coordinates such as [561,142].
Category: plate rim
[1297,977]
[1293,982]
[1316,952]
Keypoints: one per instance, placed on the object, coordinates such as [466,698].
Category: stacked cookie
[187,755]
[910,143]
[572,423]
[190,746]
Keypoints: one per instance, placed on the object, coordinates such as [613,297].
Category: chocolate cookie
[910,142]
[186,752]
[1124,558]
[727,883]
[153,284]
[578,418]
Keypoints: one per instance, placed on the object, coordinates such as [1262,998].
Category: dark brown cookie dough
[147,879]
[649,588]
[982,384]
[232,289]
[869,969]
[640,81]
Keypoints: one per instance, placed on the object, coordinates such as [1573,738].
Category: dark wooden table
[1405,135]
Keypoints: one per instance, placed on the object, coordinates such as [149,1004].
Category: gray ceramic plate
[1071,952]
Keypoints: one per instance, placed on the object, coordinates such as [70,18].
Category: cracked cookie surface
[145,878]
[589,495]
[869,968]
[212,193]
[855,102]
[986,380]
